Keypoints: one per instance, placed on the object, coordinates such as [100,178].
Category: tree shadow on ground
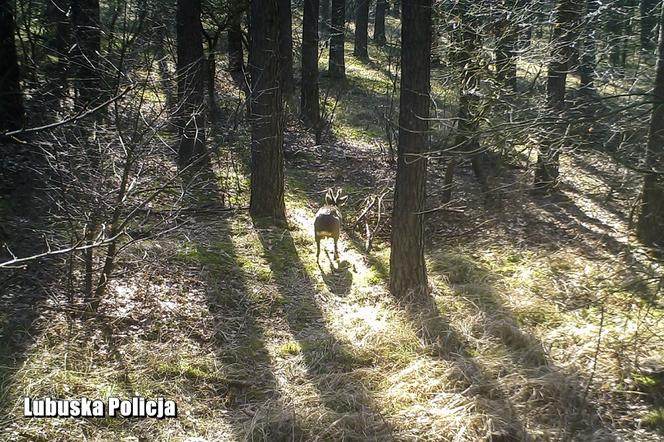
[557,398]
[437,333]
[559,402]
[570,225]
[21,303]
[445,343]
[249,389]
[361,102]
[23,291]
[573,222]
[328,361]
[612,180]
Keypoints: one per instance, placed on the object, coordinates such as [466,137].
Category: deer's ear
[342,200]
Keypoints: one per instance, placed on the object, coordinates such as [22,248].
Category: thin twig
[74,119]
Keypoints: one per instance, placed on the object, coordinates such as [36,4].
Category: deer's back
[327,222]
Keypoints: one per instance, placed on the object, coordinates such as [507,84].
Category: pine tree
[337,66]
[650,227]
[11,100]
[267,158]
[408,277]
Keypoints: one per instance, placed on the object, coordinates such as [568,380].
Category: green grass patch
[193,370]
[459,267]
[655,420]
[289,348]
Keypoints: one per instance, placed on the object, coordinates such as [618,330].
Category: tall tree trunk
[395,10]
[58,45]
[211,80]
[408,277]
[361,29]
[507,39]
[337,66]
[11,100]
[58,23]
[165,74]
[309,99]
[650,227]
[190,74]
[589,55]
[647,10]
[85,18]
[234,35]
[379,23]
[435,39]
[565,32]
[324,19]
[267,159]
[285,47]
[89,90]
[525,23]
[615,30]
[468,42]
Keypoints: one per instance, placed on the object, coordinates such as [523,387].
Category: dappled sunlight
[521,334]
[363,273]
[366,319]
[405,377]
[432,392]
[592,192]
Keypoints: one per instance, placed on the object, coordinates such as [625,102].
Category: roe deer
[328,220]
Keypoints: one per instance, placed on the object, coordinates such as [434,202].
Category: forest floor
[543,324]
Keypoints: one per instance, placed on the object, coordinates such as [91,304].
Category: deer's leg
[336,251]
[317,248]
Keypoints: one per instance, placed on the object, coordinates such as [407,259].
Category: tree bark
[395,10]
[211,80]
[650,227]
[190,75]
[615,32]
[11,100]
[408,277]
[58,44]
[267,160]
[234,35]
[506,46]
[58,23]
[589,55]
[85,18]
[435,39]
[448,181]
[466,142]
[285,47]
[324,19]
[337,66]
[379,23]
[309,99]
[565,32]
[361,29]
[647,10]
[165,73]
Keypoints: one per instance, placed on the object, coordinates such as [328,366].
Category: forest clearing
[149,253]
